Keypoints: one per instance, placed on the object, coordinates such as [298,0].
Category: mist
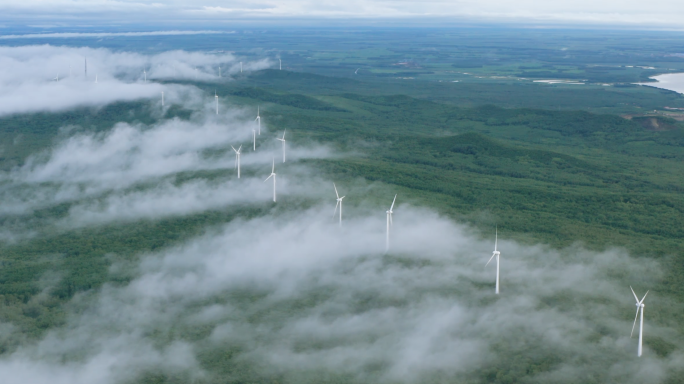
[51,78]
[297,296]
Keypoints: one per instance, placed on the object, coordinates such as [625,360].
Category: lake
[671,81]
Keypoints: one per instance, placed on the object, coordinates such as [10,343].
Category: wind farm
[143,245]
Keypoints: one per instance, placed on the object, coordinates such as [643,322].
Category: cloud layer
[657,13]
[50,78]
[295,296]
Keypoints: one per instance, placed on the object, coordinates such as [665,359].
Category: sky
[630,13]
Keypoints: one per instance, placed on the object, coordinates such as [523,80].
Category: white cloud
[293,294]
[28,82]
[657,13]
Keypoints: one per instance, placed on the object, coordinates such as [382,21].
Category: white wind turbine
[216,97]
[389,223]
[238,152]
[253,139]
[281,64]
[496,253]
[219,71]
[258,119]
[339,203]
[640,306]
[283,140]
[145,73]
[357,71]
[56,78]
[273,175]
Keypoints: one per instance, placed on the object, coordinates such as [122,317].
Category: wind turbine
[281,64]
[640,306]
[283,140]
[253,139]
[496,253]
[145,73]
[219,71]
[56,78]
[162,98]
[339,202]
[357,71]
[96,78]
[216,97]
[389,222]
[258,119]
[241,67]
[273,175]
[238,152]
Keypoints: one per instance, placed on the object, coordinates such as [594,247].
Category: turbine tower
[281,64]
[273,175]
[339,203]
[389,223]
[253,139]
[495,253]
[241,67]
[219,71]
[216,97]
[640,306]
[283,140]
[145,73]
[238,152]
[258,119]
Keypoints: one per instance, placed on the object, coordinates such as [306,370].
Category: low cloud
[295,296]
[49,78]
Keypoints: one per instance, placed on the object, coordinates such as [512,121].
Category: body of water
[671,81]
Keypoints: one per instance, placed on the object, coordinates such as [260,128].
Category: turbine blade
[490,260]
[338,203]
[234,149]
[395,199]
[643,298]
[240,148]
[268,177]
[337,194]
[634,325]
[635,296]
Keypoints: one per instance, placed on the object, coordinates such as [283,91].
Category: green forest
[559,176]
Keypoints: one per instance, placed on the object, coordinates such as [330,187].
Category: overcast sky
[655,13]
